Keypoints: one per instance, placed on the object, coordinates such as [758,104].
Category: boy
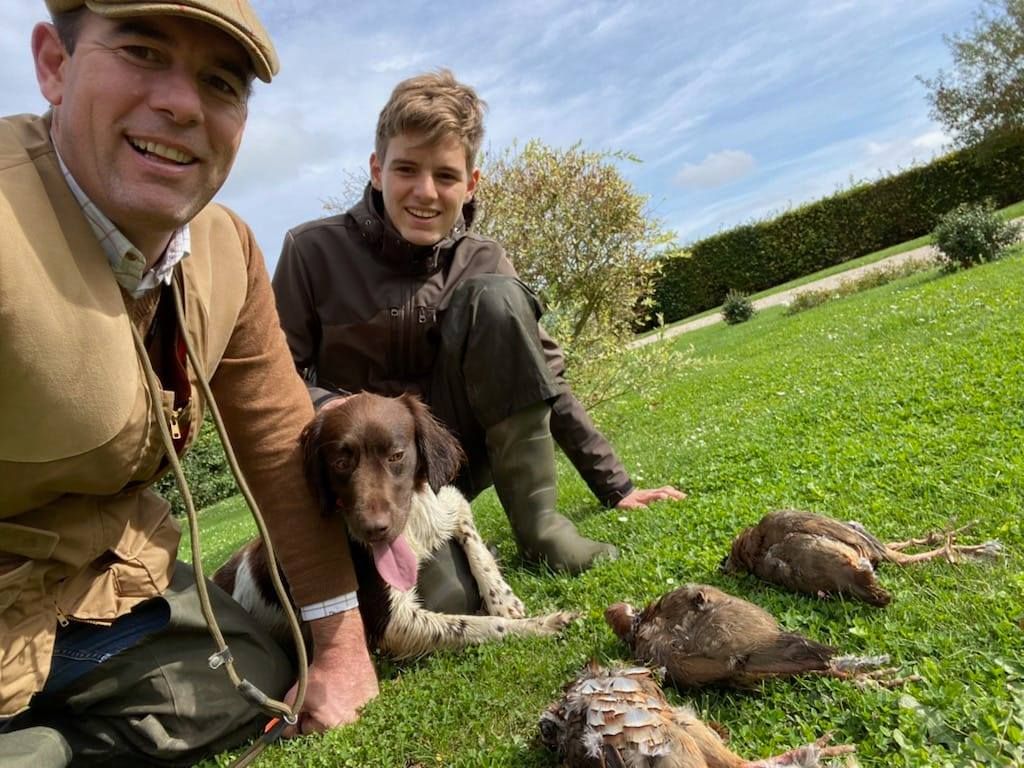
[397,295]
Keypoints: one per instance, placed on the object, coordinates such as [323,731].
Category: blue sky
[736,109]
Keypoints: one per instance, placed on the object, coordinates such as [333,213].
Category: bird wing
[790,654]
[702,635]
[780,524]
[816,565]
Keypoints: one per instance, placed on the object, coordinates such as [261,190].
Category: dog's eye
[344,464]
[396,456]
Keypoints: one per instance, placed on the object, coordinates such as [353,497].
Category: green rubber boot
[446,584]
[522,456]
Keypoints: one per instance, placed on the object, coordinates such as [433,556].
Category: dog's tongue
[396,563]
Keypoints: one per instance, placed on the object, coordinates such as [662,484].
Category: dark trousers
[148,697]
[491,364]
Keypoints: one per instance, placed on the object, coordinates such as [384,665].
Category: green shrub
[852,223]
[809,299]
[813,297]
[972,234]
[207,471]
[737,307]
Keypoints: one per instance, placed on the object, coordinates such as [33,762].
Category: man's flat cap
[236,17]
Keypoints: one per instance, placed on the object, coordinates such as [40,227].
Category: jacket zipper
[397,337]
[62,617]
[174,425]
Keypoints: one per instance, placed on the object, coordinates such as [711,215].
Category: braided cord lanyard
[282,713]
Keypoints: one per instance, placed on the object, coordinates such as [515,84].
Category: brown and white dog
[375,460]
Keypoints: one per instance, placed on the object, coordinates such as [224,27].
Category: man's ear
[49,55]
[375,172]
[474,178]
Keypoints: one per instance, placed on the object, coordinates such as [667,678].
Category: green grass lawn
[901,407]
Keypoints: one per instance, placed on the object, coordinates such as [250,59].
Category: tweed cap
[236,17]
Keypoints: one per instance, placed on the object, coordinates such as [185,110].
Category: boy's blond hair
[434,104]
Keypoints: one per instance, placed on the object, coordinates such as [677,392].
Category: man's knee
[496,298]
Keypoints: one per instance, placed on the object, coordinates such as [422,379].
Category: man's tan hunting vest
[80,534]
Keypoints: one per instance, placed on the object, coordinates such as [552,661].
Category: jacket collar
[394,250]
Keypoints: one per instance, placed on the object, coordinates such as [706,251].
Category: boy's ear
[375,172]
[474,177]
[49,55]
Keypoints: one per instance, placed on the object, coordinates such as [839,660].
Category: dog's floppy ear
[440,454]
[316,470]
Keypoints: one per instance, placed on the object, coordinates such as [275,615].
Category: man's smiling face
[148,116]
[424,185]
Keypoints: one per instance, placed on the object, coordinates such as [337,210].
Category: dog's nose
[376,531]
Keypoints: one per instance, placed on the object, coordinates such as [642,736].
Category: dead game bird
[811,553]
[701,636]
[620,718]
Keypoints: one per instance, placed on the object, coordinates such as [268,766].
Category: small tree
[983,96]
[579,235]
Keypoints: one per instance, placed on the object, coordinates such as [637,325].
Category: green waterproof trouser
[490,364]
[157,703]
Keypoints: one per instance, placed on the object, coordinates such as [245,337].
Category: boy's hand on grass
[341,676]
[641,497]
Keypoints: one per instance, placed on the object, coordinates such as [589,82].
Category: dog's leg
[413,631]
[498,597]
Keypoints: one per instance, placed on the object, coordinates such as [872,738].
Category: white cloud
[904,151]
[611,24]
[931,141]
[717,169]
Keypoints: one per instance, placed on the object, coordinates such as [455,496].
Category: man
[398,295]
[104,206]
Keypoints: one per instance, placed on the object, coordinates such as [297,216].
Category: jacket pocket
[145,554]
[355,356]
[137,563]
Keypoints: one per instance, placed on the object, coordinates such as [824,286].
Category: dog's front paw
[505,603]
[554,623]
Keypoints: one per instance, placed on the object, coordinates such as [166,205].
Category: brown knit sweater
[253,381]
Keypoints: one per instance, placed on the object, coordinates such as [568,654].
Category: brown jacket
[360,305]
[81,534]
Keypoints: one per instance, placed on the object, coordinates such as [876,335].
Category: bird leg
[807,755]
[882,679]
[952,552]
[866,670]
[919,557]
[931,539]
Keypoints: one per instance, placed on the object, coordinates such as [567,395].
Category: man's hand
[641,497]
[341,676]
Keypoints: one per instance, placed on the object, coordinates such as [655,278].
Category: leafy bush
[581,236]
[737,308]
[813,297]
[972,234]
[852,223]
[207,471]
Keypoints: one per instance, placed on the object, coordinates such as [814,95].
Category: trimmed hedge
[847,225]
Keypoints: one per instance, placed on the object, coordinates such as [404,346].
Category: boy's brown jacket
[359,305]
[81,534]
